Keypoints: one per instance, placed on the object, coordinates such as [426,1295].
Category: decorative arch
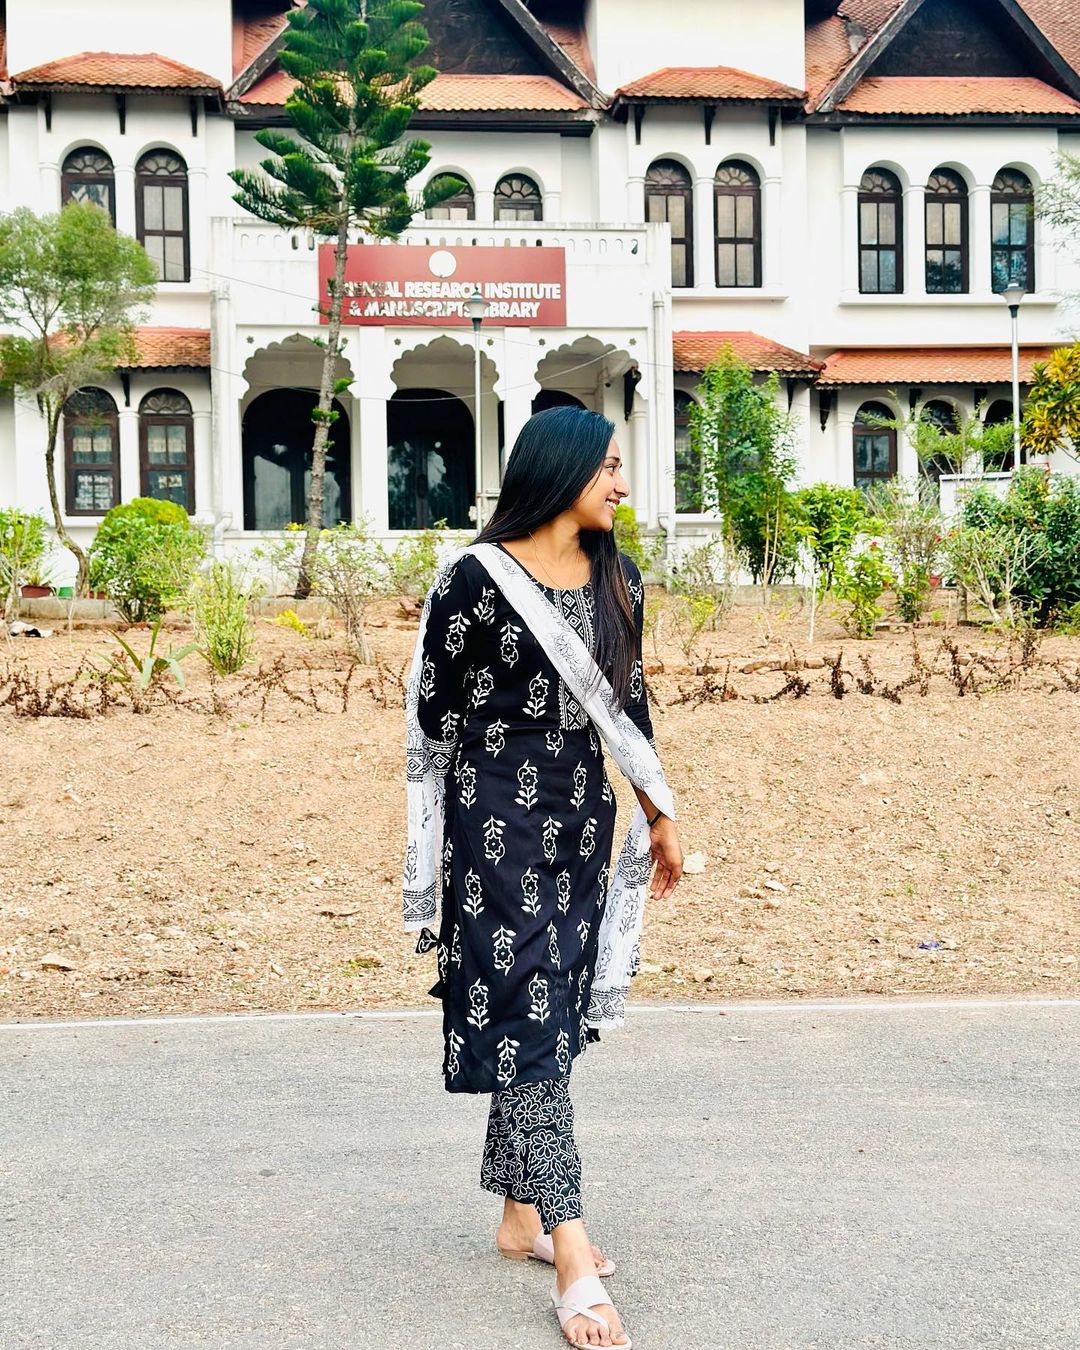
[582,365]
[461,206]
[519,197]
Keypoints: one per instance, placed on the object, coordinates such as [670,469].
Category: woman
[503,732]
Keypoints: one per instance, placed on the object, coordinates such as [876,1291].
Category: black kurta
[529,824]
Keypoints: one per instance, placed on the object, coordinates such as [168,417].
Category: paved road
[821,1176]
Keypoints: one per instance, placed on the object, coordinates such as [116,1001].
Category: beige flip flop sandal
[578,1301]
[543,1249]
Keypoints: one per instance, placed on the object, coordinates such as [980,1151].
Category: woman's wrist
[655,818]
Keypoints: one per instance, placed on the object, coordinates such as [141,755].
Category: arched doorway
[431,459]
[277,436]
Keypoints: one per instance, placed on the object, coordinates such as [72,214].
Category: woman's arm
[663,836]
[446,658]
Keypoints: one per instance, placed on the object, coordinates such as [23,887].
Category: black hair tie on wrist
[655,818]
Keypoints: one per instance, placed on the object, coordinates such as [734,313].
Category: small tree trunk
[82,580]
[322,424]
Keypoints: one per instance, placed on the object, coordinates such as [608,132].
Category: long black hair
[557,454]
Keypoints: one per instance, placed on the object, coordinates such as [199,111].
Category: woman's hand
[667,853]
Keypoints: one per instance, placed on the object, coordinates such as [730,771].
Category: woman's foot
[520,1227]
[573,1259]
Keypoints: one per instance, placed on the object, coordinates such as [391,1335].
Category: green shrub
[861,584]
[906,513]
[412,563]
[830,518]
[23,548]
[628,538]
[144,557]
[220,603]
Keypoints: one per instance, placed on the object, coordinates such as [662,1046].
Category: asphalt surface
[780,1176]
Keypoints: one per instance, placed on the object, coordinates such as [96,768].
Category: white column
[979,240]
[197,227]
[637,453]
[553,205]
[635,199]
[226,499]
[772,239]
[704,234]
[204,488]
[130,477]
[907,457]
[843,446]
[367,354]
[485,206]
[914,280]
[849,236]
[124,178]
[50,186]
[518,385]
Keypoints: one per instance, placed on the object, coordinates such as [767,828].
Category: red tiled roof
[574,41]
[928,365]
[925,95]
[827,53]
[171,348]
[693,351]
[454,93]
[115,71]
[251,33]
[1059,21]
[706,82]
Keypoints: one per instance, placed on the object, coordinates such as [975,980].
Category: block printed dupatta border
[428,761]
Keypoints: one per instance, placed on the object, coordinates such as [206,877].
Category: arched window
[669,196]
[881,258]
[91,453]
[1012,231]
[166,448]
[738,225]
[87,176]
[874,446]
[946,233]
[687,463]
[161,213]
[942,415]
[277,435]
[518,198]
[431,462]
[461,206]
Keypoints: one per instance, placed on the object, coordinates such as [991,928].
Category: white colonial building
[839,189]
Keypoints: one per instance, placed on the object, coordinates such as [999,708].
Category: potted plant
[23,547]
[37,583]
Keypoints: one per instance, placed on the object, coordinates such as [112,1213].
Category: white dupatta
[428,762]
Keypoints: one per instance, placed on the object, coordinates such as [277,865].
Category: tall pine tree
[347,167]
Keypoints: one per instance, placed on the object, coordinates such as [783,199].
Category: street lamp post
[1012,295]
[477,308]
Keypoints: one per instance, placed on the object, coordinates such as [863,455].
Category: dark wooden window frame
[942,198]
[179,417]
[509,185]
[105,414]
[465,196]
[70,178]
[683,403]
[144,180]
[1001,196]
[752,189]
[675,182]
[880,196]
[860,428]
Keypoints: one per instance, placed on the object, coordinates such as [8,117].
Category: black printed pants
[530,1153]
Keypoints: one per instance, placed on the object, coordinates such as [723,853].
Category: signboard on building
[411,284]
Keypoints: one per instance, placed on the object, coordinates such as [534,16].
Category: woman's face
[595,507]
